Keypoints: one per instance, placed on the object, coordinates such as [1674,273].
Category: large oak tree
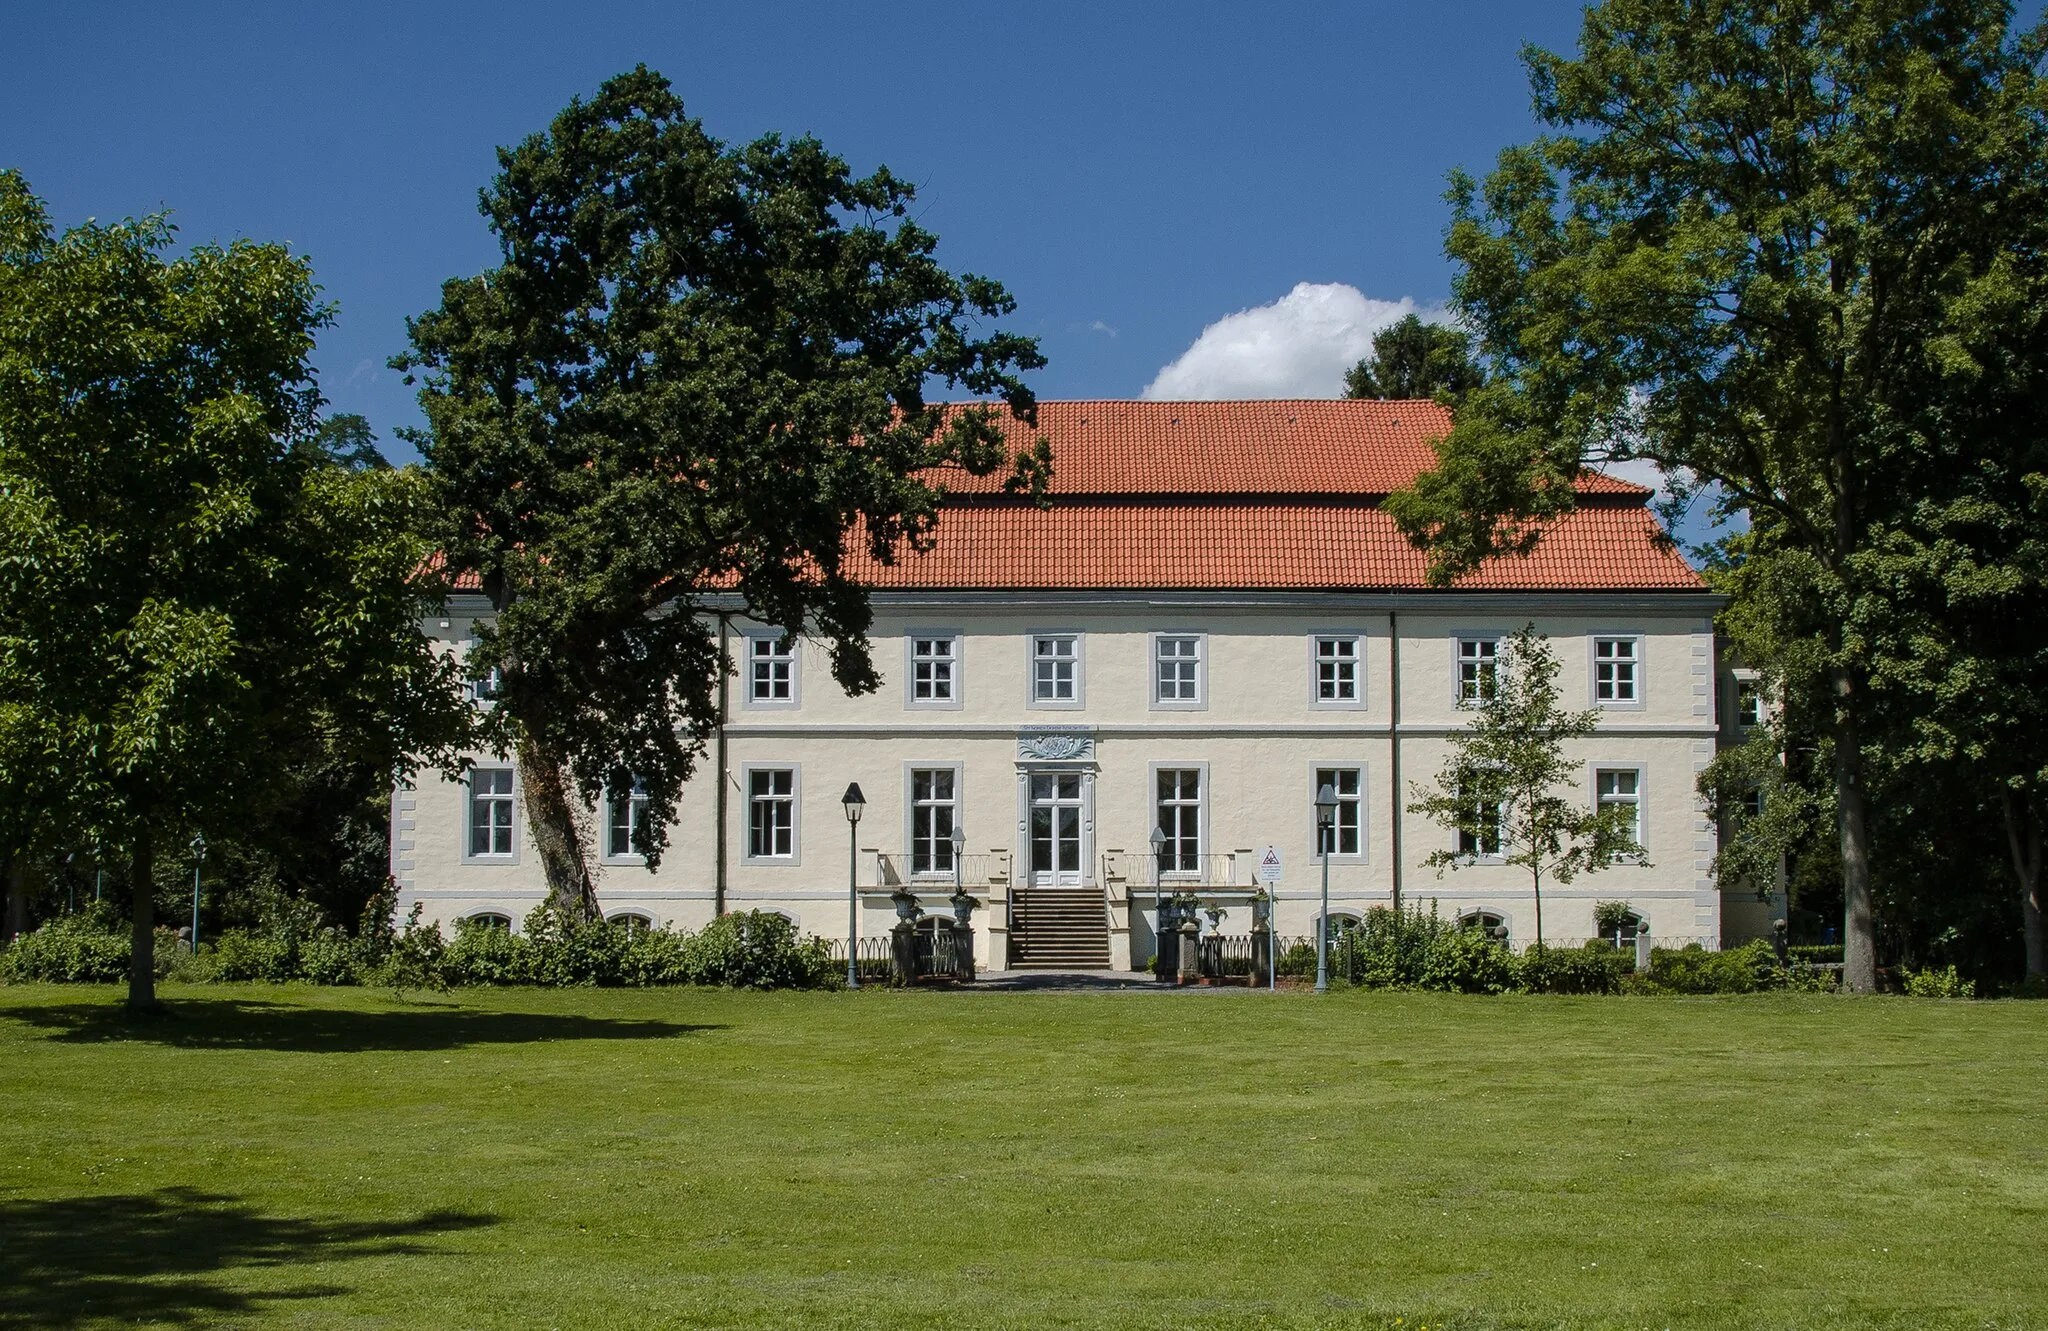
[1756,249]
[697,379]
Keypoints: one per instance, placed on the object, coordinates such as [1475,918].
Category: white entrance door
[1056,829]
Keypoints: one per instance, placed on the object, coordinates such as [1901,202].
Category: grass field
[336,1158]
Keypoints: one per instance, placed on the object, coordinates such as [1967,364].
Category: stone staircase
[1059,928]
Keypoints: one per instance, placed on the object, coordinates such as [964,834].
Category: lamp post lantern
[1326,833]
[198,854]
[855,804]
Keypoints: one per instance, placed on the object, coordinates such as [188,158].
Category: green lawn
[335,1158]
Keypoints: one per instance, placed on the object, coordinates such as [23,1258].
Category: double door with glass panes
[1054,823]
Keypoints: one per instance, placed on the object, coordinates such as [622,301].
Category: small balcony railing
[1177,873]
[893,869]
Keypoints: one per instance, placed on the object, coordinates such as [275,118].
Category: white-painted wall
[1257,734]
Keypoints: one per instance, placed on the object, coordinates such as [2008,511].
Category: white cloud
[1298,346]
[1100,327]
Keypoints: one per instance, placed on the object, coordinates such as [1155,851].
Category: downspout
[724,682]
[1394,745]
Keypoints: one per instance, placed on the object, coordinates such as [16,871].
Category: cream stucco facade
[1256,734]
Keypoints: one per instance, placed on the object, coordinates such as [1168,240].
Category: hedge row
[752,951]
[1413,950]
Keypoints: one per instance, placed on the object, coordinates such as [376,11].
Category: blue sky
[1133,174]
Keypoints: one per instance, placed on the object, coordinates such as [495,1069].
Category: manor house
[1131,692]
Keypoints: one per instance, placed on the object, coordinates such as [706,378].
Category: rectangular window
[1345,835]
[1176,668]
[1749,704]
[1478,659]
[1180,819]
[1620,790]
[626,813]
[485,690]
[490,813]
[933,802]
[1614,670]
[771,813]
[1055,667]
[934,665]
[1479,824]
[772,670]
[1752,803]
[1336,670]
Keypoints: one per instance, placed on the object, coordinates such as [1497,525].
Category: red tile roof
[1285,447]
[1251,495]
[1264,495]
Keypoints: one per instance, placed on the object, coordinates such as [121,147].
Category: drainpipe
[724,681]
[1394,744]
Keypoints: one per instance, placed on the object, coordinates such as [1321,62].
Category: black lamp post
[1158,905]
[198,854]
[959,840]
[1326,832]
[855,804]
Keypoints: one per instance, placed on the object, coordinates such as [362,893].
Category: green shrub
[241,955]
[1594,969]
[481,953]
[1694,970]
[1299,961]
[1817,954]
[1943,983]
[758,950]
[1466,961]
[331,958]
[90,947]
[1801,979]
[412,960]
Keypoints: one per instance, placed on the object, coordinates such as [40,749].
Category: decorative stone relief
[1055,746]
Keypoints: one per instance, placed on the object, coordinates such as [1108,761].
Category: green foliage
[1694,970]
[71,949]
[1505,774]
[1466,961]
[1596,968]
[1610,917]
[1943,983]
[698,373]
[197,599]
[1785,252]
[1413,359]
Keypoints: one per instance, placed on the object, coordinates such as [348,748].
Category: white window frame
[795,656]
[1642,800]
[629,916]
[1363,801]
[796,814]
[1498,855]
[634,795]
[1204,799]
[1640,679]
[1080,659]
[469,798]
[1458,641]
[1153,644]
[1750,680]
[910,806]
[483,692]
[1356,701]
[958,674]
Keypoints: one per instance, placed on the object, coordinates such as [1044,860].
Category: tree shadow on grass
[159,1257]
[230,1023]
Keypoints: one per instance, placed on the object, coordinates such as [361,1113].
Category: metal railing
[944,953]
[1179,873]
[895,869]
[874,966]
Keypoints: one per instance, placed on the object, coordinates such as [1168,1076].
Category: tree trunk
[142,938]
[1536,880]
[552,815]
[17,894]
[2023,835]
[1859,924]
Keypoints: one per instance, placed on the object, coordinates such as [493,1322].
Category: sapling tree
[1508,790]
[1412,359]
[696,380]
